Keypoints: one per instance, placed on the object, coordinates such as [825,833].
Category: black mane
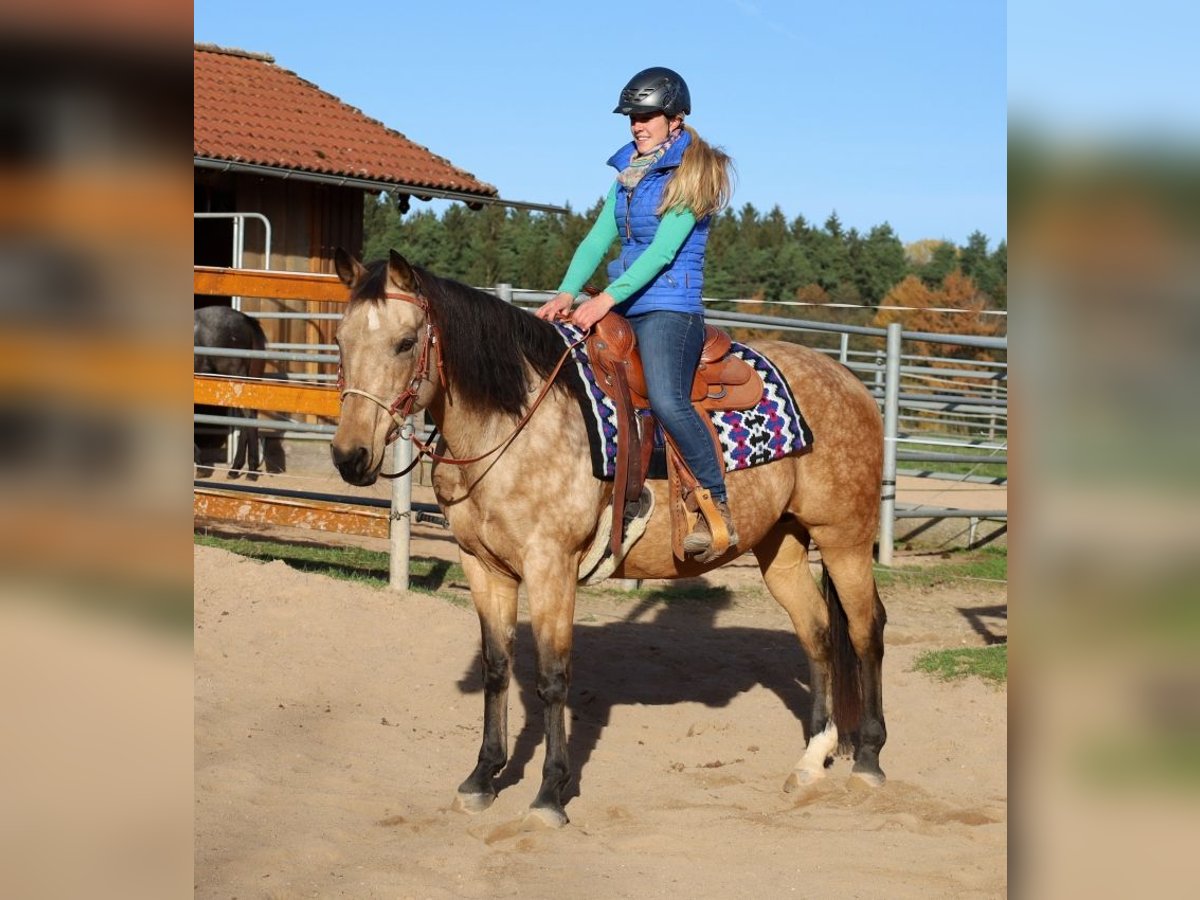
[485,342]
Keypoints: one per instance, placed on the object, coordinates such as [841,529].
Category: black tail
[844,670]
[260,336]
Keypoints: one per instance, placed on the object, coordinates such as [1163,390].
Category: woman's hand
[592,310]
[557,307]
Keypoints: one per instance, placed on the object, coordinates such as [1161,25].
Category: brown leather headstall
[401,408]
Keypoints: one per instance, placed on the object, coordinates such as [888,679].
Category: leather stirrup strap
[627,452]
[637,469]
[646,427]
[704,503]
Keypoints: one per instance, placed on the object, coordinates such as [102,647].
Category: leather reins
[401,408]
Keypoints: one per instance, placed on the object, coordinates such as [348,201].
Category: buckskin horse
[527,510]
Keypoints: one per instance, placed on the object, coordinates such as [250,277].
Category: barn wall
[308,223]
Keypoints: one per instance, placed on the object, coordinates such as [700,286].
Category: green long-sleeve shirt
[673,229]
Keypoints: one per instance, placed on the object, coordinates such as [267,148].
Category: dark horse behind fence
[221,326]
[529,512]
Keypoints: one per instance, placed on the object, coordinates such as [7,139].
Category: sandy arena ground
[334,721]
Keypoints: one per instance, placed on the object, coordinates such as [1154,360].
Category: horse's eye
[403,346]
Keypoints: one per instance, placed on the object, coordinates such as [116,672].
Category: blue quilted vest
[677,287]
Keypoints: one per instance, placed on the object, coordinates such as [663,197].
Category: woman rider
[669,184]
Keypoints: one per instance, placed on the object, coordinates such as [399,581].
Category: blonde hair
[702,183]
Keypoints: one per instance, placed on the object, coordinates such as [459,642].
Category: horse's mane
[485,343]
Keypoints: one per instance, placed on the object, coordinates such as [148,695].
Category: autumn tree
[955,307]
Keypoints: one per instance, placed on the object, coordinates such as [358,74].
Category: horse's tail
[845,674]
[258,341]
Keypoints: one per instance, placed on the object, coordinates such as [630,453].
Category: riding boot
[699,541]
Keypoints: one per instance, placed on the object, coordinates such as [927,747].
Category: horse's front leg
[552,611]
[495,599]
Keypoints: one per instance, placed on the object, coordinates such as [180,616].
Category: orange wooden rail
[306,399]
[261,283]
[311,399]
[342,518]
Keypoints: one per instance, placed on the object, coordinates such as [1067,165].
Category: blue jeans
[670,344]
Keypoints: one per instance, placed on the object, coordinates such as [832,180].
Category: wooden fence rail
[304,399]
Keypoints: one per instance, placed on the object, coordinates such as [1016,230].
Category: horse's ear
[348,269]
[401,274]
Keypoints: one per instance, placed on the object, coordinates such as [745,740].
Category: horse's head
[387,361]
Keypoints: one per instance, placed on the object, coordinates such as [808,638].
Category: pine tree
[879,264]
[943,261]
[381,226]
[976,263]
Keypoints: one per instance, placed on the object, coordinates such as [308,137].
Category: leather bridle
[401,408]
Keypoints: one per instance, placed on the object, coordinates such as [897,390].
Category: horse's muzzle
[352,465]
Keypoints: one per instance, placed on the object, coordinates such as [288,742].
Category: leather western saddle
[722,382]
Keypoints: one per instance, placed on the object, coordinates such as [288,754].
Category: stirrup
[714,533]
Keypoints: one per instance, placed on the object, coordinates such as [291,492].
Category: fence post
[844,348]
[400,525]
[992,419]
[891,417]
[504,292]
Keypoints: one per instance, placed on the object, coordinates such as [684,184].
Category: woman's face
[650,129]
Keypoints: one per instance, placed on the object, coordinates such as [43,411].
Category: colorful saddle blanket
[749,437]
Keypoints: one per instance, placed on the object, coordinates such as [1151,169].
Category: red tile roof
[246,109]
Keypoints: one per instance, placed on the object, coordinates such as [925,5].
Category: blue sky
[884,112]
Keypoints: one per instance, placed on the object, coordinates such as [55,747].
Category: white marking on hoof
[821,746]
[542,817]
[801,778]
[472,803]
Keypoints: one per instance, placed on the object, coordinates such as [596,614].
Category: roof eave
[421,191]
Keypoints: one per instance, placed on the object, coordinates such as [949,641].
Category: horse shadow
[666,650]
[989,622]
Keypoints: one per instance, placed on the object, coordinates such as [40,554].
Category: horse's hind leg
[854,587]
[783,558]
[255,456]
[496,602]
[240,439]
[245,443]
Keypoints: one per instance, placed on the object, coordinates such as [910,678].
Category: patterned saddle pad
[749,437]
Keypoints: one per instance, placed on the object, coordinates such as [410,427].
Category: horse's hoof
[801,778]
[545,817]
[473,803]
[871,777]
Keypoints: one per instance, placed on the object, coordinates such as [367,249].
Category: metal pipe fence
[939,409]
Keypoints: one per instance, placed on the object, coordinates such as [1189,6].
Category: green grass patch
[370,567]
[985,470]
[989,564]
[988,663]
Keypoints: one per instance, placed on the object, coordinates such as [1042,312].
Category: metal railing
[931,406]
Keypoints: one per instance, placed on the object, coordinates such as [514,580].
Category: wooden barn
[273,151]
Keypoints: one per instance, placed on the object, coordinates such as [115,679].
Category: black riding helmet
[655,90]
